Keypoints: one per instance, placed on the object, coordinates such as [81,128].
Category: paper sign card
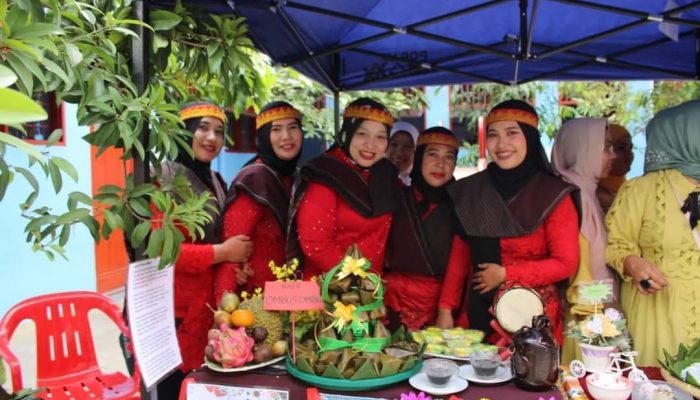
[292,296]
[596,292]
[149,299]
[208,391]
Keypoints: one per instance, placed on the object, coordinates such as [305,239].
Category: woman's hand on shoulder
[645,274]
[234,249]
[489,277]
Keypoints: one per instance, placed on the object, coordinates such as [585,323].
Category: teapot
[535,361]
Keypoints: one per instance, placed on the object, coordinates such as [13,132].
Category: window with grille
[241,133]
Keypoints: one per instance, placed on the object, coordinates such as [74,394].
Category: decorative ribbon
[358,267]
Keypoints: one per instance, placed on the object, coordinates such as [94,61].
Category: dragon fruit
[231,348]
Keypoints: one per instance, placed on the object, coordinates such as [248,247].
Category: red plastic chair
[66,363]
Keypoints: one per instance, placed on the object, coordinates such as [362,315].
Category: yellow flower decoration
[353,266]
[609,329]
[343,314]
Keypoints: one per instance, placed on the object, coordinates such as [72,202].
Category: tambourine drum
[514,308]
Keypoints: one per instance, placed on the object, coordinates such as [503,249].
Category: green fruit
[229,302]
[279,348]
[222,317]
[270,320]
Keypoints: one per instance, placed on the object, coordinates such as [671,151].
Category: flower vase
[596,358]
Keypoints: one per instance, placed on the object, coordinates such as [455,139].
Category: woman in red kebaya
[258,199]
[347,195]
[423,241]
[197,269]
[520,221]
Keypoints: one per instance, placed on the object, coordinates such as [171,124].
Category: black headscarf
[383,171]
[201,169]
[430,194]
[264,146]
[508,182]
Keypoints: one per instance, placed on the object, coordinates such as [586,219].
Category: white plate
[455,385]
[216,367]
[447,356]
[503,374]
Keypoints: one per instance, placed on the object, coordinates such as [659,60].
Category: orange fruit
[244,318]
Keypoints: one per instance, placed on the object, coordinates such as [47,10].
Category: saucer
[503,374]
[455,385]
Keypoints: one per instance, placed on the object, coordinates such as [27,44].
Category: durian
[270,320]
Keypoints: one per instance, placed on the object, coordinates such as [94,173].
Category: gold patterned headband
[512,114]
[370,113]
[276,114]
[197,110]
[438,138]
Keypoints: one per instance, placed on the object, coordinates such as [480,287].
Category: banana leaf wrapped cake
[349,341]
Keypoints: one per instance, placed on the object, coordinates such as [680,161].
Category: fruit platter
[349,348]
[246,336]
[453,343]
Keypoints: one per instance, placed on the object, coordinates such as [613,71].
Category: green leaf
[163,20]
[56,179]
[80,197]
[29,177]
[7,76]
[139,233]
[54,68]
[91,223]
[19,143]
[72,216]
[37,30]
[74,54]
[159,42]
[155,243]
[133,22]
[54,137]
[143,189]
[113,219]
[114,189]
[26,80]
[59,249]
[126,31]
[66,167]
[140,206]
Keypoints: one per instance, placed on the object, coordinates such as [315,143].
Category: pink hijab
[577,157]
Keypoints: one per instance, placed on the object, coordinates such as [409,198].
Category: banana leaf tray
[347,385]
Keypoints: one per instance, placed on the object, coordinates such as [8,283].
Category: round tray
[692,390]
[348,385]
[218,368]
[447,356]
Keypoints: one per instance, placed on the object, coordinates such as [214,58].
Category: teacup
[439,371]
[485,363]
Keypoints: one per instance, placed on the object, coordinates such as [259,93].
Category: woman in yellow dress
[653,238]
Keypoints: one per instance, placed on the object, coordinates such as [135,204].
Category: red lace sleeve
[561,233]
[458,267]
[240,218]
[316,220]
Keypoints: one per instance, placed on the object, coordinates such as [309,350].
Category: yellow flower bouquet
[601,329]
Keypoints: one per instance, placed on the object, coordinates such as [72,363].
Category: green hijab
[673,140]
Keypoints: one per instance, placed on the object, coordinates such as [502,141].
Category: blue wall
[25,273]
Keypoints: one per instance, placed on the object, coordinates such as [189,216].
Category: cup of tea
[439,371]
[485,363]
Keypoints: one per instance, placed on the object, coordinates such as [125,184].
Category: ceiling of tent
[365,44]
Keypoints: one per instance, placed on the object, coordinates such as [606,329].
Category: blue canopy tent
[368,44]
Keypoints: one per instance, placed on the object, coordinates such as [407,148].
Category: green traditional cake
[350,342]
